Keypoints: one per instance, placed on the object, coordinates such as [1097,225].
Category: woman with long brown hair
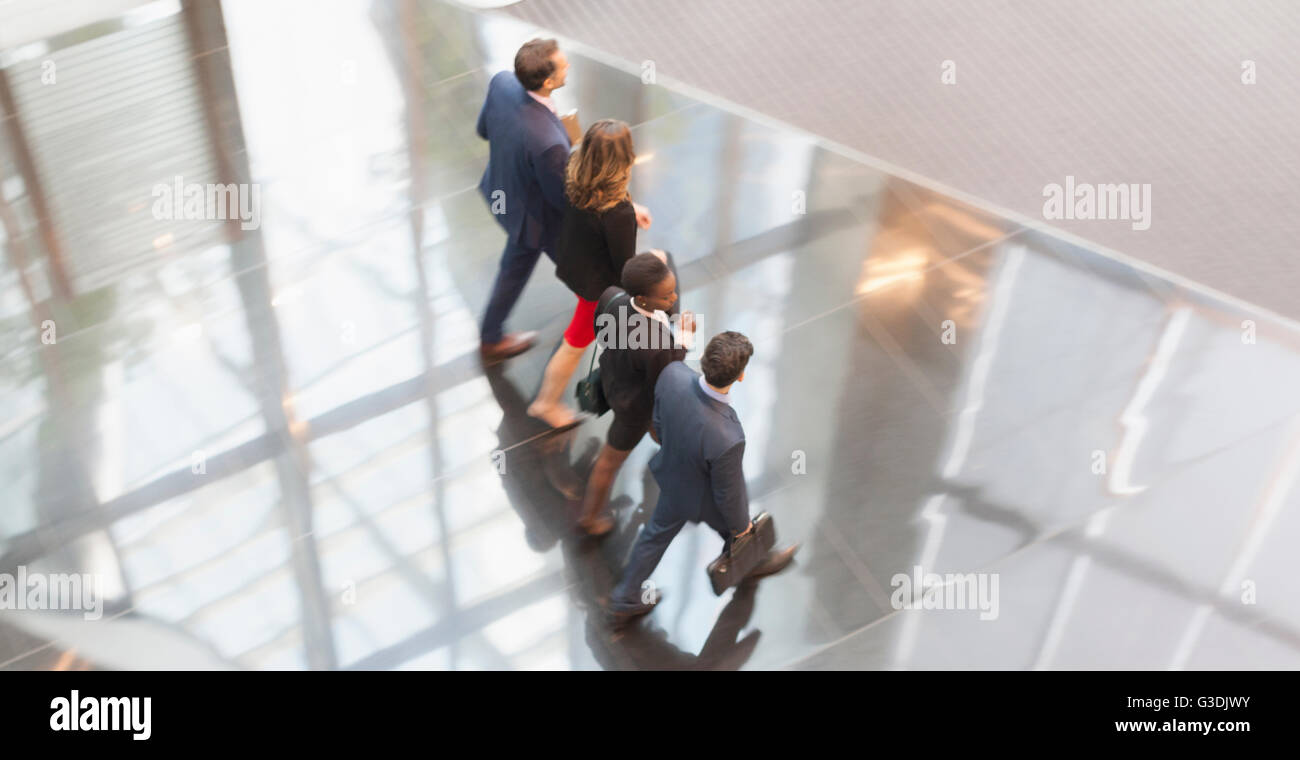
[597,238]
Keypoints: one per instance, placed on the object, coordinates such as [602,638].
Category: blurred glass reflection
[277,449]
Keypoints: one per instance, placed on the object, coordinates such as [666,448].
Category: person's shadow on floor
[535,471]
[540,484]
[644,646]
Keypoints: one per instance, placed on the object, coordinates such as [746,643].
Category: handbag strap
[601,308]
[595,349]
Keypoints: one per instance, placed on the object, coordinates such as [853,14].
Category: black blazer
[628,375]
[593,247]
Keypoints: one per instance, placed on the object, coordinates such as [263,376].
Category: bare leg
[595,503]
[547,406]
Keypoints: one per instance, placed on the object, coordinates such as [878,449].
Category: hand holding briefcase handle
[747,550]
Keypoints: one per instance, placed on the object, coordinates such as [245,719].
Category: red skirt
[582,330]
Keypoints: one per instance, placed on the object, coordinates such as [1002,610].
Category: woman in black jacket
[598,237]
[638,339]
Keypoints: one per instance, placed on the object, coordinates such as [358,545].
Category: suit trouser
[651,544]
[517,264]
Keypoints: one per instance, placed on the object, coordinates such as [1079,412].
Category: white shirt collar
[549,103]
[658,314]
[684,339]
[715,395]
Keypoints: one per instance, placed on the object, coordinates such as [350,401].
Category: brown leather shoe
[511,345]
[776,562]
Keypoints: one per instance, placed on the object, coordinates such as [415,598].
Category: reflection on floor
[275,448]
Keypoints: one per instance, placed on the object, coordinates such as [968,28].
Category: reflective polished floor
[278,449]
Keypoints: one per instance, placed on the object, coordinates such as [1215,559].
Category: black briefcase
[746,553]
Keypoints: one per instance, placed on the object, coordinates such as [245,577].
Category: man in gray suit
[698,467]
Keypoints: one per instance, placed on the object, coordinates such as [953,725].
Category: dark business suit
[527,155]
[698,469]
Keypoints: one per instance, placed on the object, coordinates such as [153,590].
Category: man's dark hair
[533,63]
[642,273]
[725,358]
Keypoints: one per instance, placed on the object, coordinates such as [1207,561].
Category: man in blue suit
[698,467]
[523,183]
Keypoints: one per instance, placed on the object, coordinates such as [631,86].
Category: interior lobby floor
[278,448]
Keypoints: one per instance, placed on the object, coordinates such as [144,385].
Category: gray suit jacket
[698,466]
